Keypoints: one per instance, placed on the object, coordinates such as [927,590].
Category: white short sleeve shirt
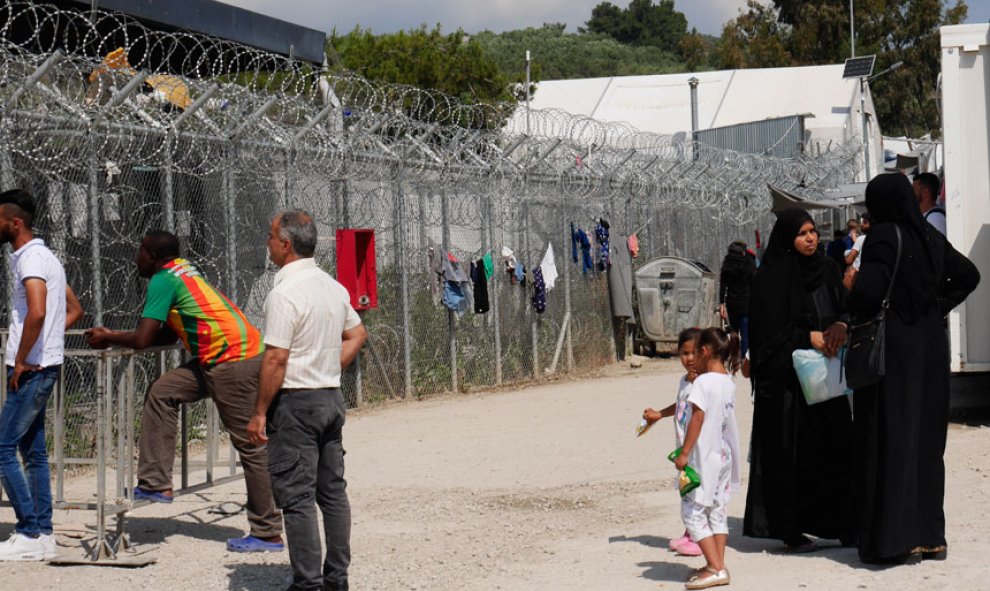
[306,312]
[35,261]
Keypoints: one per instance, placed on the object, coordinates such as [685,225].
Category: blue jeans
[740,323]
[22,427]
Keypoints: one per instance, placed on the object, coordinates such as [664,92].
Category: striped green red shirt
[213,329]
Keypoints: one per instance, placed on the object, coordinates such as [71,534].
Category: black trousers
[306,461]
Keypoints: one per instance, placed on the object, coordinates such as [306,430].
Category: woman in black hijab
[901,422]
[799,481]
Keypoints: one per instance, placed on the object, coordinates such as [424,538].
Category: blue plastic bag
[822,378]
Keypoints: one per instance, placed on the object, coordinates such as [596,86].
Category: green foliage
[641,23]
[424,58]
[754,40]
[807,32]
[558,55]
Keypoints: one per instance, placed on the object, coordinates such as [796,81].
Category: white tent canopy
[662,103]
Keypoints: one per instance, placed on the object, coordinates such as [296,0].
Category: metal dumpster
[675,294]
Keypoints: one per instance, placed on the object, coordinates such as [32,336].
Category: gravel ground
[540,488]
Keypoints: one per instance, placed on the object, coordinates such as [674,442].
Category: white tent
[662,103]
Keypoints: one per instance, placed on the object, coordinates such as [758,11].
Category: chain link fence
[118,129]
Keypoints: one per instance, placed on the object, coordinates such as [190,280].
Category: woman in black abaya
[901,422]
[800,482]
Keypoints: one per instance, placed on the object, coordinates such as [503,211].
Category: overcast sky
[383,16]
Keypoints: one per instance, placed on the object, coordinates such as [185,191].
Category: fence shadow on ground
[258,577]
[155,530]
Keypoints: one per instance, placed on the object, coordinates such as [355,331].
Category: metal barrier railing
[93,421]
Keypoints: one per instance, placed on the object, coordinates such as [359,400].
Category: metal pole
[59,436]
[451,316]
[168,183]
[400,259]
[863,85]
[101,459]
[129,432]
[184,445]
[693,82]
[852,31]
[527,92]
[494,291]
[567,302]
[94,230]
[534,317]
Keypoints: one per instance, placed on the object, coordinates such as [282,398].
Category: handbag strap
[897,265]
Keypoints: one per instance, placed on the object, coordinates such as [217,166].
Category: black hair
[20,204]
[866,217]
[929,181]
[686,335]
[724,345]
[162,244]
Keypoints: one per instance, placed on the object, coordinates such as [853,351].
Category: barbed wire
[120,128]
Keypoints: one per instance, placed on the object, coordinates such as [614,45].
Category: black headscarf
[890,200]
[779,307]
[780,249]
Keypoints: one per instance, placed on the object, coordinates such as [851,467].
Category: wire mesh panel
[118,130]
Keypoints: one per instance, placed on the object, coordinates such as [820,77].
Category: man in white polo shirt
[311,334]
[43,307]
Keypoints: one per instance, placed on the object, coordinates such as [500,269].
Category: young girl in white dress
[680,410]
[711,447]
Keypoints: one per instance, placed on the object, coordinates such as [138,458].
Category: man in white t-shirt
[43,307]
[311,334]
[926,189]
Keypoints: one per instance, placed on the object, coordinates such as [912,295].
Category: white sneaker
[50,546]
[21,548]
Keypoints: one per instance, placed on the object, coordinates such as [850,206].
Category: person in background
[735,282]
[799,480]
[44,306]
[854,256]
[226,358]
[901,422]
[311,334]
[926,188]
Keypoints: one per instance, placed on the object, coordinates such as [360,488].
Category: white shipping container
[966,129]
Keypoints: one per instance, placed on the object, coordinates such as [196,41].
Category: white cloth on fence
[549,268]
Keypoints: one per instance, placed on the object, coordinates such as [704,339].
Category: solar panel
[859,67]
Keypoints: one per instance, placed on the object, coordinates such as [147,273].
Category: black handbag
[865,357]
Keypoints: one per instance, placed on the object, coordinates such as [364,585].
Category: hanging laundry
[467,304]
[520,273]
[633,243]
[574,243]
[509,263]
[453,295]
[601,237]
[620,281]
[480,281]
[548,268]
[585,243]
[539,292]
[488,265]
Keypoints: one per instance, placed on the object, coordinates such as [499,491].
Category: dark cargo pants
[306,461]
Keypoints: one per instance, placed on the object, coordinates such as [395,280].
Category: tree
[641,23]
[453,63]
[559,55]
[806,32]
[755,39]
[696,50]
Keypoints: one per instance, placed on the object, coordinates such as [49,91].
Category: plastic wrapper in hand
[643,427]
[687,479]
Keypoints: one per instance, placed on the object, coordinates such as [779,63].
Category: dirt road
[536,489]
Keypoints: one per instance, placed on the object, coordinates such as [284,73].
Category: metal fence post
[400,260]
[567,300]
[451,315]
[534,317]
[94,230]
[494,290]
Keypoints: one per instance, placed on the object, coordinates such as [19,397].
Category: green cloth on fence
[489,265]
